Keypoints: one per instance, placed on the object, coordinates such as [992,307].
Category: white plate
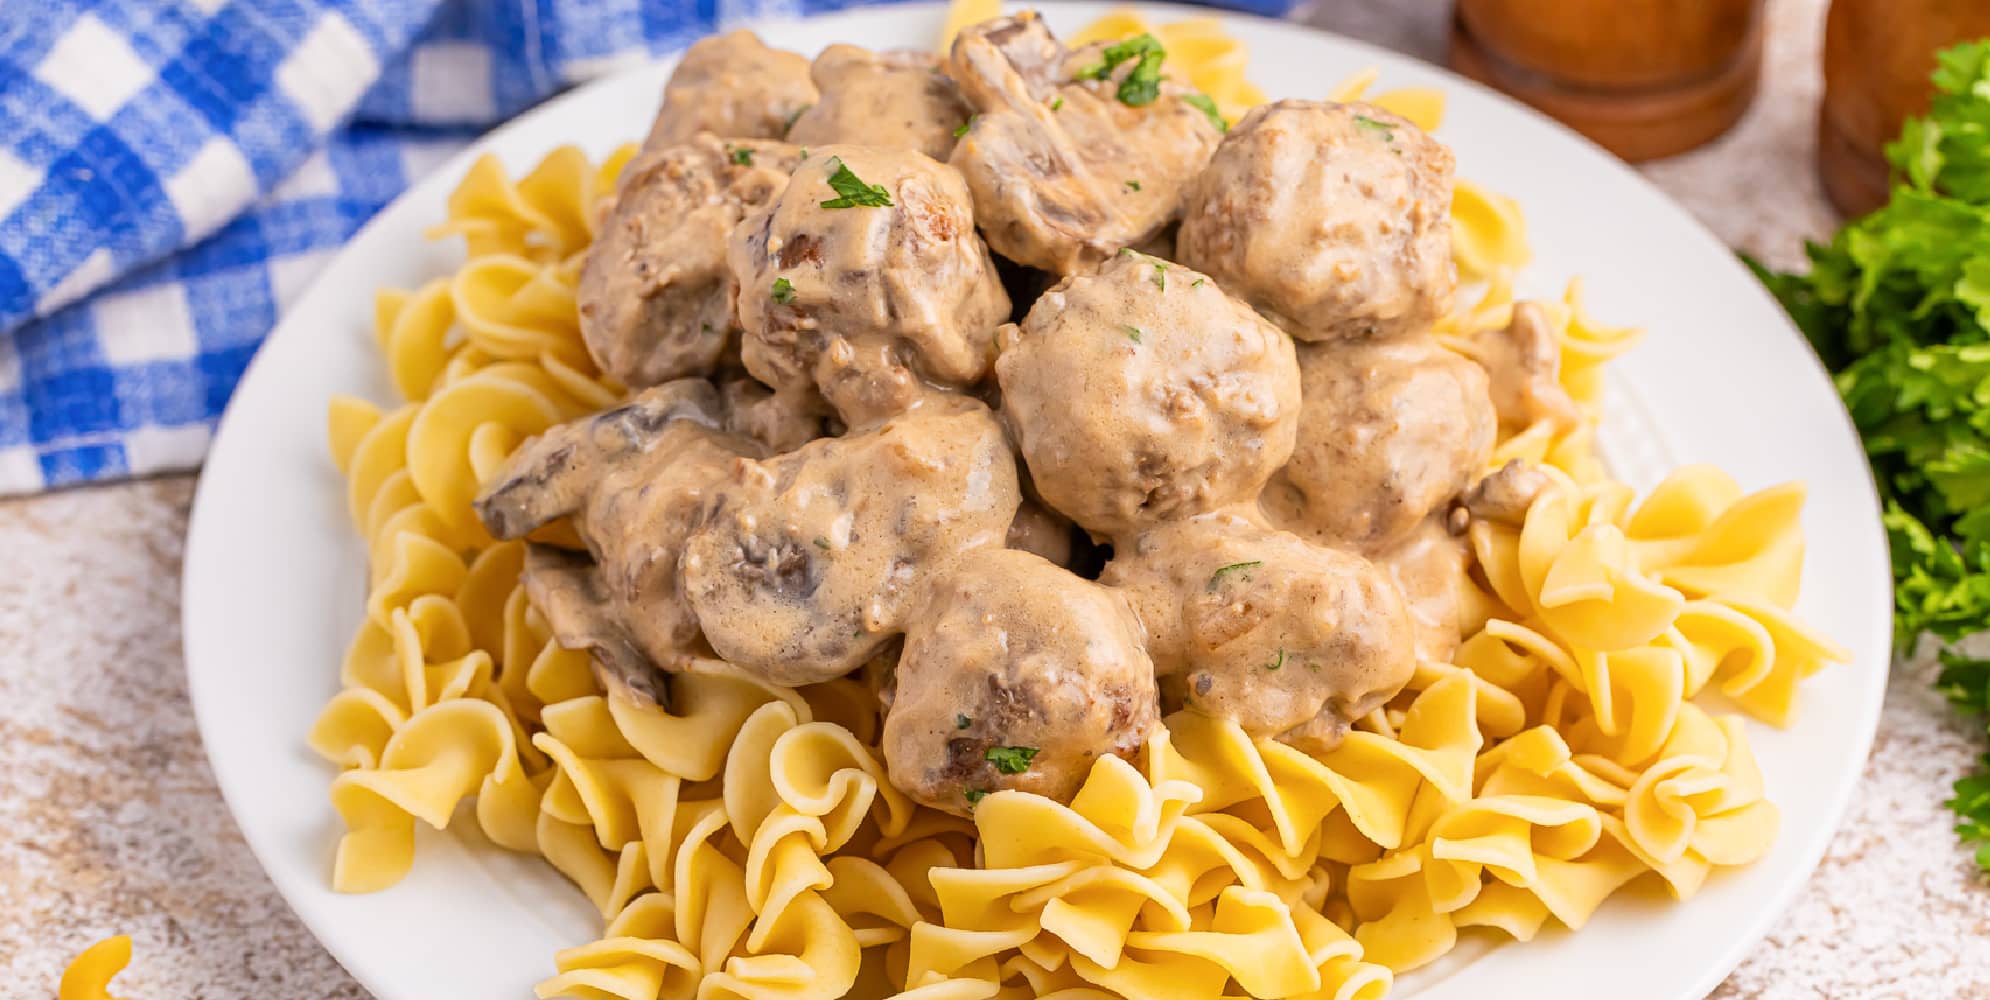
[274,576]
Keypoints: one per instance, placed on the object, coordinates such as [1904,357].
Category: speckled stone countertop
[110,821]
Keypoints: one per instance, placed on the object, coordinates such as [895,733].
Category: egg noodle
[744,842]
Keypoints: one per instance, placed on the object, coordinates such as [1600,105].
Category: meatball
[1289,639]
[803,565]
[1143,393]
[1390,431]
[634,479]
[1016,675]
[655,294]
[1070,160]
[897,99]
[865,279]
[1332,219]
[734,86]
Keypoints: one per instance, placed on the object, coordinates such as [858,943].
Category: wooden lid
[1634,123]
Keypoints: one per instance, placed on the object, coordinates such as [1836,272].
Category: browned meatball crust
[1390,431]
[1143,393]
[1332,219]
[1064,172]
[898,98]
[866,301]
[655,293]
[803,565]
[733,86]
[1016,675]
[1289,639]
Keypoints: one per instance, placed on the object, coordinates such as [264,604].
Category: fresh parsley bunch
[1898,307]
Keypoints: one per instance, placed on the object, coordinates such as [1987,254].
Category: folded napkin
[174,173]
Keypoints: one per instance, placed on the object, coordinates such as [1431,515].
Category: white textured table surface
[110,821]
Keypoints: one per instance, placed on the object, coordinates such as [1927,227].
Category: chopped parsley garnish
[1057,104]
[804,152]
[1011,760]
[784,291]
[962,722]
[961,129]
[1216,578]
[740,155]
[974,796]
[1133,185]
[1197,283]
[1128,252]
[1203,103]
[1377,126]
[1143,84]
[852,190]
[1161,275]
[1275,664]
[822,543]
[1132,333]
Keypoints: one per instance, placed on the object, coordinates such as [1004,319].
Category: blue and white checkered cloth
[173,173]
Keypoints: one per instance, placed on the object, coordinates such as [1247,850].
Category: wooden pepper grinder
[1877,57]
[1643,78]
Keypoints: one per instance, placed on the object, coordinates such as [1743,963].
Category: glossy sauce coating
[1332,219]
[1143,393]
[1016,659]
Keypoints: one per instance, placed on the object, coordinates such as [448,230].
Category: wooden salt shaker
[1877,57]
[1643,78]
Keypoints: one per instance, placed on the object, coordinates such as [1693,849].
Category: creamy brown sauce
[1285,522]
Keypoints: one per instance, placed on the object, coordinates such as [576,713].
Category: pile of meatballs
[1015,385]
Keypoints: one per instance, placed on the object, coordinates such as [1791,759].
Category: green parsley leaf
[851,189]
[1057,104]
[1132,333]
[1011,760]
[822,543]
[962,722]
[1216,578]
[1280,662]
[1133,185]
[974,796]
[1897,305]
[740,155]
[784,291]
[1377,126]
[1197,283]
[1143,83]
[961,129]
[1207,105]
[1161,275]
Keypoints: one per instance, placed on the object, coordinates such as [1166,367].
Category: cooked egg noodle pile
[744,842]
